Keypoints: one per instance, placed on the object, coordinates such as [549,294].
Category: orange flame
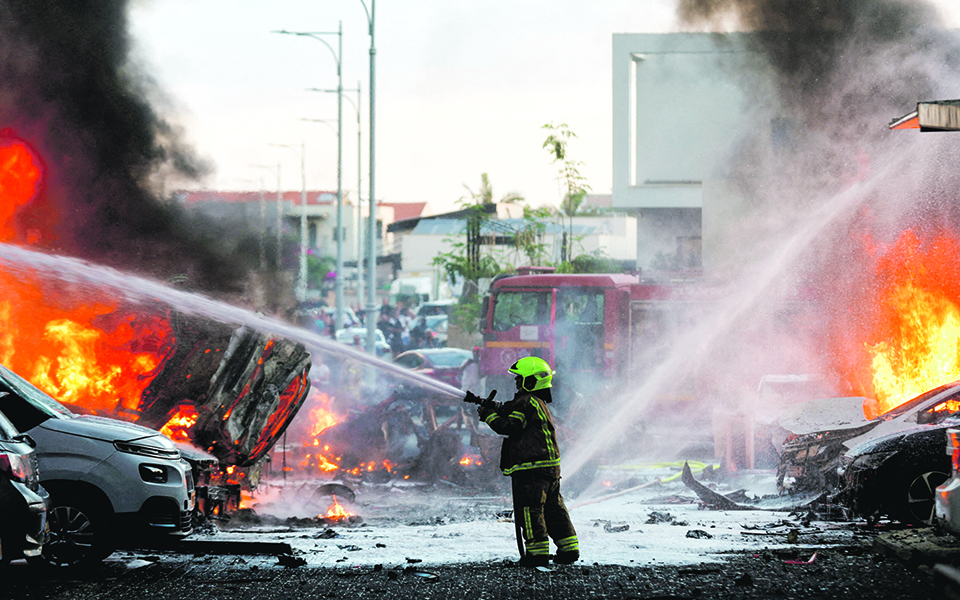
[176,428]
[90,354]
[917,321]
[336,511]
[321,418]
[18,179]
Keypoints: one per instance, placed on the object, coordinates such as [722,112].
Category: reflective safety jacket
[531,437]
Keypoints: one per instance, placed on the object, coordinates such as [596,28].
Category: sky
[462,88]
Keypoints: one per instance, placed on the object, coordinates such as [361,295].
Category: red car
[443,364]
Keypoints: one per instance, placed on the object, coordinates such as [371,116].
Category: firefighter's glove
[485,410]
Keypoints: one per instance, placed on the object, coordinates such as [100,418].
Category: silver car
[947,498]
[111,483]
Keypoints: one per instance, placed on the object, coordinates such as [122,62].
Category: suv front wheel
[76,537]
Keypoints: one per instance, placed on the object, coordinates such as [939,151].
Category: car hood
[893,441]
[824,414]
[108,430]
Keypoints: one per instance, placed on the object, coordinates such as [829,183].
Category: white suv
[111,483]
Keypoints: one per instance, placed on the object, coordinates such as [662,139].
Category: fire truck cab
[593,329]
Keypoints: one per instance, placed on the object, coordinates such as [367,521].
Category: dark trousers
[539,508]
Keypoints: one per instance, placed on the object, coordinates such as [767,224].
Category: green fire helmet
[535,371]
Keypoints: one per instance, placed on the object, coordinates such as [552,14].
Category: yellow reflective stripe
[568,544]
[551,449]
[527,525]
[520,417]
[490,418]
[553,462]
[538,548]
[510,344]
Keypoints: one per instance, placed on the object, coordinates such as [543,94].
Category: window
[520,308]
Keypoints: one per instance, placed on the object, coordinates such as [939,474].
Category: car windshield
[436,321]
[520,308]
[449,359]
[25,405]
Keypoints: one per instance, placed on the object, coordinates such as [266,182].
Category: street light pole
[356,107]
[337,56]
[302,271]
[279,216]
[371,312]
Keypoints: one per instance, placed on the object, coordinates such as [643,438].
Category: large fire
[911,333]
[88,353]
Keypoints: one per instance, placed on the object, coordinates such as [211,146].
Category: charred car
[810,454]
[23,503]
[896,475]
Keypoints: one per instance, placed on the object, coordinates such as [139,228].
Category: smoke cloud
[70,88]
[823,201]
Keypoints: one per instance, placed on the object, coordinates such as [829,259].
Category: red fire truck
[603,330]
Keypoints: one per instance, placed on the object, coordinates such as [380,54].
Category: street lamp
[356,106]
[302,271]
[279,213]
[337,55]
[371,313]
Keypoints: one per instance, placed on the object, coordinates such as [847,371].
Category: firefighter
[531,458]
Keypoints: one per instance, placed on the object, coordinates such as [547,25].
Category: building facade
[681,104]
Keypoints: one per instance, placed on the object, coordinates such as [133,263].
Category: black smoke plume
[69,88]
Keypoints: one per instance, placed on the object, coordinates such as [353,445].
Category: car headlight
[871,460]
[150,451]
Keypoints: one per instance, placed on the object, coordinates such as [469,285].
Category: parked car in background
[443,364]
[357,336]
[947,497]
[111,483]
[896,475]
[428,332]
[436,307]
[23,503]
[810,455]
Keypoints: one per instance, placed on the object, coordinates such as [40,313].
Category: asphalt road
[837,573]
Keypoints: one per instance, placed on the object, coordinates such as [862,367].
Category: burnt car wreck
[888,466]
[225,394]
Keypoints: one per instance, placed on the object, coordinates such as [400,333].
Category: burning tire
[76,536]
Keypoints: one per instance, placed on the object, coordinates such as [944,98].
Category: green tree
[574,183]
[465,260]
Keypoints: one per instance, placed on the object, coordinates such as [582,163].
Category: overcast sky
[462,88]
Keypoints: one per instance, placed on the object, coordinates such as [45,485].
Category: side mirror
[485,306]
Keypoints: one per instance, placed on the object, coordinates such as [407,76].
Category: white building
[681,103]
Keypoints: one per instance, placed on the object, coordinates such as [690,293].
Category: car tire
[915,505]
[76,537]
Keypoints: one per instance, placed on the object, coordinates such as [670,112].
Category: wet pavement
[438,542]
[855,572]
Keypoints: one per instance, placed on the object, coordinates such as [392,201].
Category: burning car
[810,455]
[896,474]
[109,481]
[23,503]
